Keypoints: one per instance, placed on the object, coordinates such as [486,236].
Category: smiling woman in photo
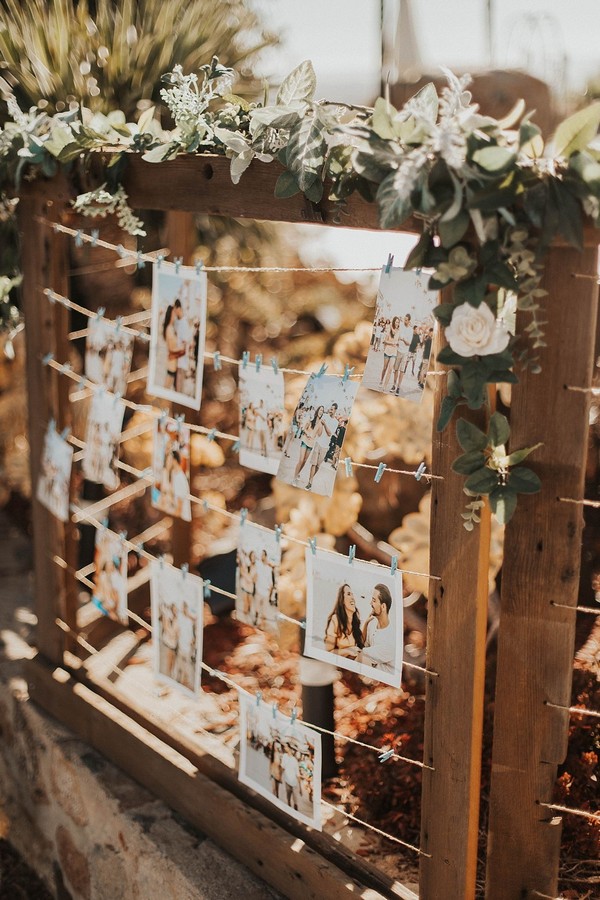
[343,633]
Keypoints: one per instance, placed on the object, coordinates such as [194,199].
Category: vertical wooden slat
[456,634]
[541,564]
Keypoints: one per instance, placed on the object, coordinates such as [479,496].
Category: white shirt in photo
[371,629]
[406,335]
[331,424]
[291,769]
[181,491]
[184,334]
[382,648]
[264,579]
[186,634]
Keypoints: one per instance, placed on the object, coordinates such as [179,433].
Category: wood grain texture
[456,634]
[541,564]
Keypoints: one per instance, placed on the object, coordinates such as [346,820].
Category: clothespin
[199,266]
[321,371]
[389,263]
[420,471]
[347,373]
[275,365]
[258,697]
[139,260]
[380,470]
[178,263]
[207,588]
[211,434]
[236,447]
[50,295]
[205,504]
[351,553]
[258,361]
[46,359]
[100,312]
[293,714]
[217,360]
[116,397]
[312,543]
[385,755]
[159,260]
[245,358]
[278,530]
[418,272]
[393,565]
[161,560]
[94,237]
[81,385]
[243,515]
[274,710]
[78,238]
[348,465]
[118,323]
[98,604]
[56,227]
[65,433]
[139,548]
[121,251]
[185,568]
[178,420]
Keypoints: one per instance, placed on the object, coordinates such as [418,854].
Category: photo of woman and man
[171,468]
[313,444]
[177,605]
[258,561]
[108,353]
[55,474]
[400,347]
[177,334]
[281,760]
[354,616]
[110,576]
[262,408]
[102,435]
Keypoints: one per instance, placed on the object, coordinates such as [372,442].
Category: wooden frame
[458,600]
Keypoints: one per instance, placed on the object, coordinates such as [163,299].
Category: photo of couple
[55,474]
[108,354]
[177,334]
[281,760]
[171,468]
[258,561]
[177,605]
[354,616]
[261,418]
[110,576]
[313,444]
[102,435]
[402,336]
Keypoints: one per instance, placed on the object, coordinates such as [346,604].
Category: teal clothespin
[211,434]
[420,471]
[385,755]
[312,543]
[65,433]
[159,260]
[258,361]
[199,266]
[178,419]
[245,358]
[393,565]
[78,238]
[207,588]
[321,371]
[274,710]
[205,504]
[217,360]
[275,365]
[236,447]
[380,470]
[389,263]
[46,359]
[121,251]
[94,237]
[347,373]
[258,697]
[278,530]
[348,465]
[118,323]
[351,553]
[185,568]
[178,263]
[243,515]
[139,260]
[293,714]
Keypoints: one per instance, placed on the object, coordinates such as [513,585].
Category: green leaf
[383,111]
[286,185]
[483,481]
[517,456]
[524,481]
[306,149]
[300,84]
[470,437]
[569,213]
[494,159]
[503,502]
[453,231]
[453,385]
[425,102]
[416,257]
[276,116]
[473,381]
[446,412]
[443,313]
[314,190]
[448,357]
[394,207]
[499,430]
[472,290]
[587,168]
[468,462]
[577,131]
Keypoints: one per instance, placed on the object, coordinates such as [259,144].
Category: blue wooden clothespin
[118,323]
[140,261]
[347,373]
[351,553]
[217,360]
[275,365]
[393,565]
[236,447]
[293,714]
[380,470]
[94,237]
[207,588]
[161,560]
[258,361]
[50,295]
[211,434]
[178,421]
[199,266]
[389,263]
[100,312]
[78,238]
[121,251]
[385,755]
[159,260]
[245,358]
[312,543]
[418,272]
[420,471]
[348,465]
[185,568]
[321,371]
[278,530]
[274,710]
[98,604]
[258,697]
[65,433]
[243,515]
[178,263]
[46,358]
[205,504]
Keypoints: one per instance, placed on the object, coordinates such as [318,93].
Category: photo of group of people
[400,346]
[312,447]
[108,353]
[281,760]
[171,468]
[110,576]
[177,334]
[55,474]
[177,605]
[261,418]
[354,616]
[258,561]
[103,432]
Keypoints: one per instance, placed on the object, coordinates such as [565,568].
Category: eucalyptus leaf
[524,481]
[453,384]
[416,257]
[494,159]
[446,412]
[300,84]
[517,456]
[443,313]
[503,502]
[473,381]
[577,131]
[470,437]
[286,185]
[451,232]
[471,290]
[468,462]
[394,206]
[499,430]
[483,481]
[383,112]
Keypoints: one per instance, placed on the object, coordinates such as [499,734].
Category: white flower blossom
[474,331]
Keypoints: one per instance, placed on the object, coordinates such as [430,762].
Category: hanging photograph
[400,347]
[108,353]
[177,334]
[102,435]
[281,760]
[55,474]
[313,444]
[171,468]
[354,616]
[110,576]
[258,561]
[177,605]
[261,418]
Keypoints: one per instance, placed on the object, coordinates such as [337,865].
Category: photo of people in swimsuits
[354,616]
[177,605]
[171,468]
[110,576]
[177,332]
[258,561]
[262,409]
[281,760]
[103,431]
[313,444]
[403,329]
[108,353]
[55,474]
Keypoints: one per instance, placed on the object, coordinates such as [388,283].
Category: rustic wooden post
[541,567]
[456,635]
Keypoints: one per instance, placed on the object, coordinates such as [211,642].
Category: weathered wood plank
[456,635]
[541,564]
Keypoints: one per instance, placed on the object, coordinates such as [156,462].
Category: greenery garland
[491,197]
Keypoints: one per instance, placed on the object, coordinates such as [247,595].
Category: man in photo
[291,776]
[185,336]
[328,427]
[180,488]
[402,350]
[186,648]
[378,632]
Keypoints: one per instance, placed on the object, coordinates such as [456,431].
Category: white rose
[475,331]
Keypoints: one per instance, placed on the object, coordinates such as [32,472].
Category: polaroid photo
[400,347]
[110,576]
[171,468]
[177,334]
[354,616]
[313,444]
[108,354]
[262,407]
[258,561]
[55,474]
[102,436]
[281,760]
[177,606]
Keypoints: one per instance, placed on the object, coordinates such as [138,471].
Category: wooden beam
[542,553]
